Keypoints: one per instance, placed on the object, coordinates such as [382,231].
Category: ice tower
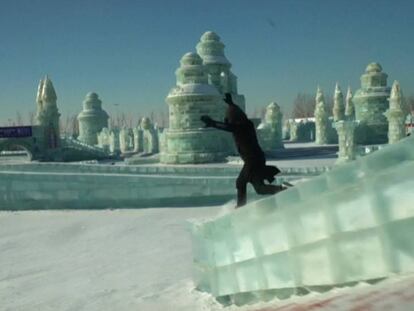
[92,119]
[186,139]
[321,119]
[338,107]
[371,101]
[396,114]
[349,106]
[47,114]
[211,50]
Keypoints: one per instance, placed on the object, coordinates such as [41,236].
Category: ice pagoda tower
[371,101]
[186,139]
[47,114]
[92,119]
[211,50]
[396,115]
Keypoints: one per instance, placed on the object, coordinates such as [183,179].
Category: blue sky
[127,51]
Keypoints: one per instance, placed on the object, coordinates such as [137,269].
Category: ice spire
[321,119]
[48,93]
[338,108]
[47,112]
[349,107]
[320,99]
[396,114]
[396,97]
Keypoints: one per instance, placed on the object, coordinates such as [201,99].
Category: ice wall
[350,224]
[92,186]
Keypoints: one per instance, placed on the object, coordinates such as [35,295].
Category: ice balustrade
[199,170]
[350,224]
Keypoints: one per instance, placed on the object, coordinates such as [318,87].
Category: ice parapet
[350,224]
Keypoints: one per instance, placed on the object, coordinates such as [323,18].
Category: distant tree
[19,119]
[303,106]
[31,118]
[410,103]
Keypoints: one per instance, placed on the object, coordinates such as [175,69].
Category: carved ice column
[396,115]
[123,140]
[103,139]
[150,137]
[114,141]
[338,107]
[346,140]
[293,130]
[321,119]
[138,139]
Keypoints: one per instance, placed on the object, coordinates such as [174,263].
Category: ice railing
[350,224]
[73,143]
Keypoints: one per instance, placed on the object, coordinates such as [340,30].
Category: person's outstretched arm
[209,122]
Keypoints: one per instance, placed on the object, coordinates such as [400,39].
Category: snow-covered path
[99,260]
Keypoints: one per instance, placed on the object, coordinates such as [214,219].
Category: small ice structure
[350,224]
[92,119]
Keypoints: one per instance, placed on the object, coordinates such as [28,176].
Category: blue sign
[15,131]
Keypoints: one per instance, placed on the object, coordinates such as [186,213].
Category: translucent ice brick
[355,213]
[400,234]
[226,283]
[250,276]
[360,256]
[272,237]
[278,270]
[315,264]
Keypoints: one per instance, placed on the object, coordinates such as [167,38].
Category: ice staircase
[353,223]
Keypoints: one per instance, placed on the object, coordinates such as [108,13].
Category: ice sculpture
[321,119]
[338,107]
[371,101]
[47,114]
[349,105]
[186,139]
[346,140]
[92,119]
[270,131]
[211,50]
[126,140]
[396,114]
[350,224]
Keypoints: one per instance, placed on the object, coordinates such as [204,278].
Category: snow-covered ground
[99,260]
[137,259]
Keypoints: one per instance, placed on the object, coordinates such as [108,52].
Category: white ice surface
[100,260]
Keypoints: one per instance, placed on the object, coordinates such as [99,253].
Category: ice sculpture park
[119,207]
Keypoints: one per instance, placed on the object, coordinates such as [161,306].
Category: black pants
[255,172]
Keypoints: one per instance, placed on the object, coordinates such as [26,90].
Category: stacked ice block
[350,224]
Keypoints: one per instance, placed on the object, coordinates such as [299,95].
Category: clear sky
[127,51]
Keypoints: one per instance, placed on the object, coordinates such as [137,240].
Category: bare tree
[410,103]
[31,118]
[303,106]
[19,119]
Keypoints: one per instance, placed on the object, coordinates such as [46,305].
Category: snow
[99,260]
[138,259]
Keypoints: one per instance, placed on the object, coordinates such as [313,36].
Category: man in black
[255,169]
